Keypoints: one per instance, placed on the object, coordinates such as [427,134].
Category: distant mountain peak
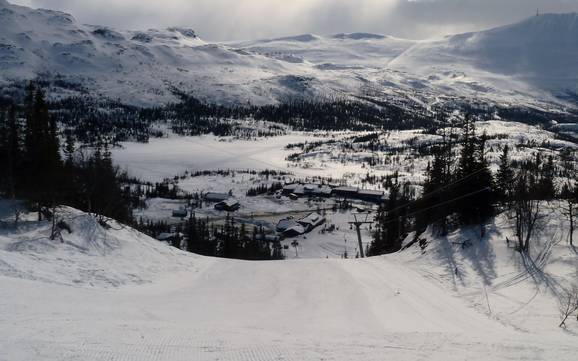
[305,38]
[359,36]
[544,25]
[553,16]
[186,32]
[539,52]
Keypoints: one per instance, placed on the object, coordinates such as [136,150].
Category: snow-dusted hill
[114,294]
[521,64]
[334,52]
[90,256]
[136,67]
[534,55]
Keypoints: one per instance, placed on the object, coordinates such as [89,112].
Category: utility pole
[358,223]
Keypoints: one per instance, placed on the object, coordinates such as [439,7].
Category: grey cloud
[249,19]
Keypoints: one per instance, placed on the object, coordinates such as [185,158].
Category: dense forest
[229,240]
[47,173]
[94,122]
[108,121]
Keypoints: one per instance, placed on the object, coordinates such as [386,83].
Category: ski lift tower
[358,222]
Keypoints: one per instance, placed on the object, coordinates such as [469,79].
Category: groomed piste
[110,293]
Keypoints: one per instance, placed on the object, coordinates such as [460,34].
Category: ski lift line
[443,204]
[427,195]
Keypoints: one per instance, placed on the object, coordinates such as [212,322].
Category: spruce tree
[69,147]
[13,151]
[4,153]
[468,163]
[475,182]
[42,163]
[391,222]
[546,187]
[505,176]
[435,190]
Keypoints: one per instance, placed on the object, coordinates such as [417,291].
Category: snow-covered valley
[129,159]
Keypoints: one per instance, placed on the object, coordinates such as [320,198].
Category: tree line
[229,240]
[95,121]
[42,165]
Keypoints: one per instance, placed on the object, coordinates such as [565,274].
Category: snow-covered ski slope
[530,63]
[113,294]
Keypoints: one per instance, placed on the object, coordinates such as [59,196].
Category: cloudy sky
[249,19]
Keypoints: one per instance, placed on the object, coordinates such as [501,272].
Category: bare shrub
[569,306]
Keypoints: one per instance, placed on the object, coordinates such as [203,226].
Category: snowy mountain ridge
[529,63]
[539,52]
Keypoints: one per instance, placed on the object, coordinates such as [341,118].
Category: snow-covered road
[372,309]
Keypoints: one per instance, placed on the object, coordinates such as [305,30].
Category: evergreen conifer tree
[546,187]
[475,181]
[505,176]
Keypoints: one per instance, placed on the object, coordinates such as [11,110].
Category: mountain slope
[341,51]
[136,67]
[170,305]
[525,64]
[540,52]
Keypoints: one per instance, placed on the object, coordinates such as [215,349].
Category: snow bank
[521,291]
[90,256]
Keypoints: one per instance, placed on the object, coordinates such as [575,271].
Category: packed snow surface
[75,300]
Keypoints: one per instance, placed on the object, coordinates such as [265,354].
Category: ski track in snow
[118,295]
[371,309]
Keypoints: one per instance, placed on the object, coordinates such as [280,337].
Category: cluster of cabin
[297,190]
[227,203]
[223,201]
[290,227]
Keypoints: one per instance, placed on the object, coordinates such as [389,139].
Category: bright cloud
[248,19]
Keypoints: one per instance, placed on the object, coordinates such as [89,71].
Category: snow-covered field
[167,157]
[117,295]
